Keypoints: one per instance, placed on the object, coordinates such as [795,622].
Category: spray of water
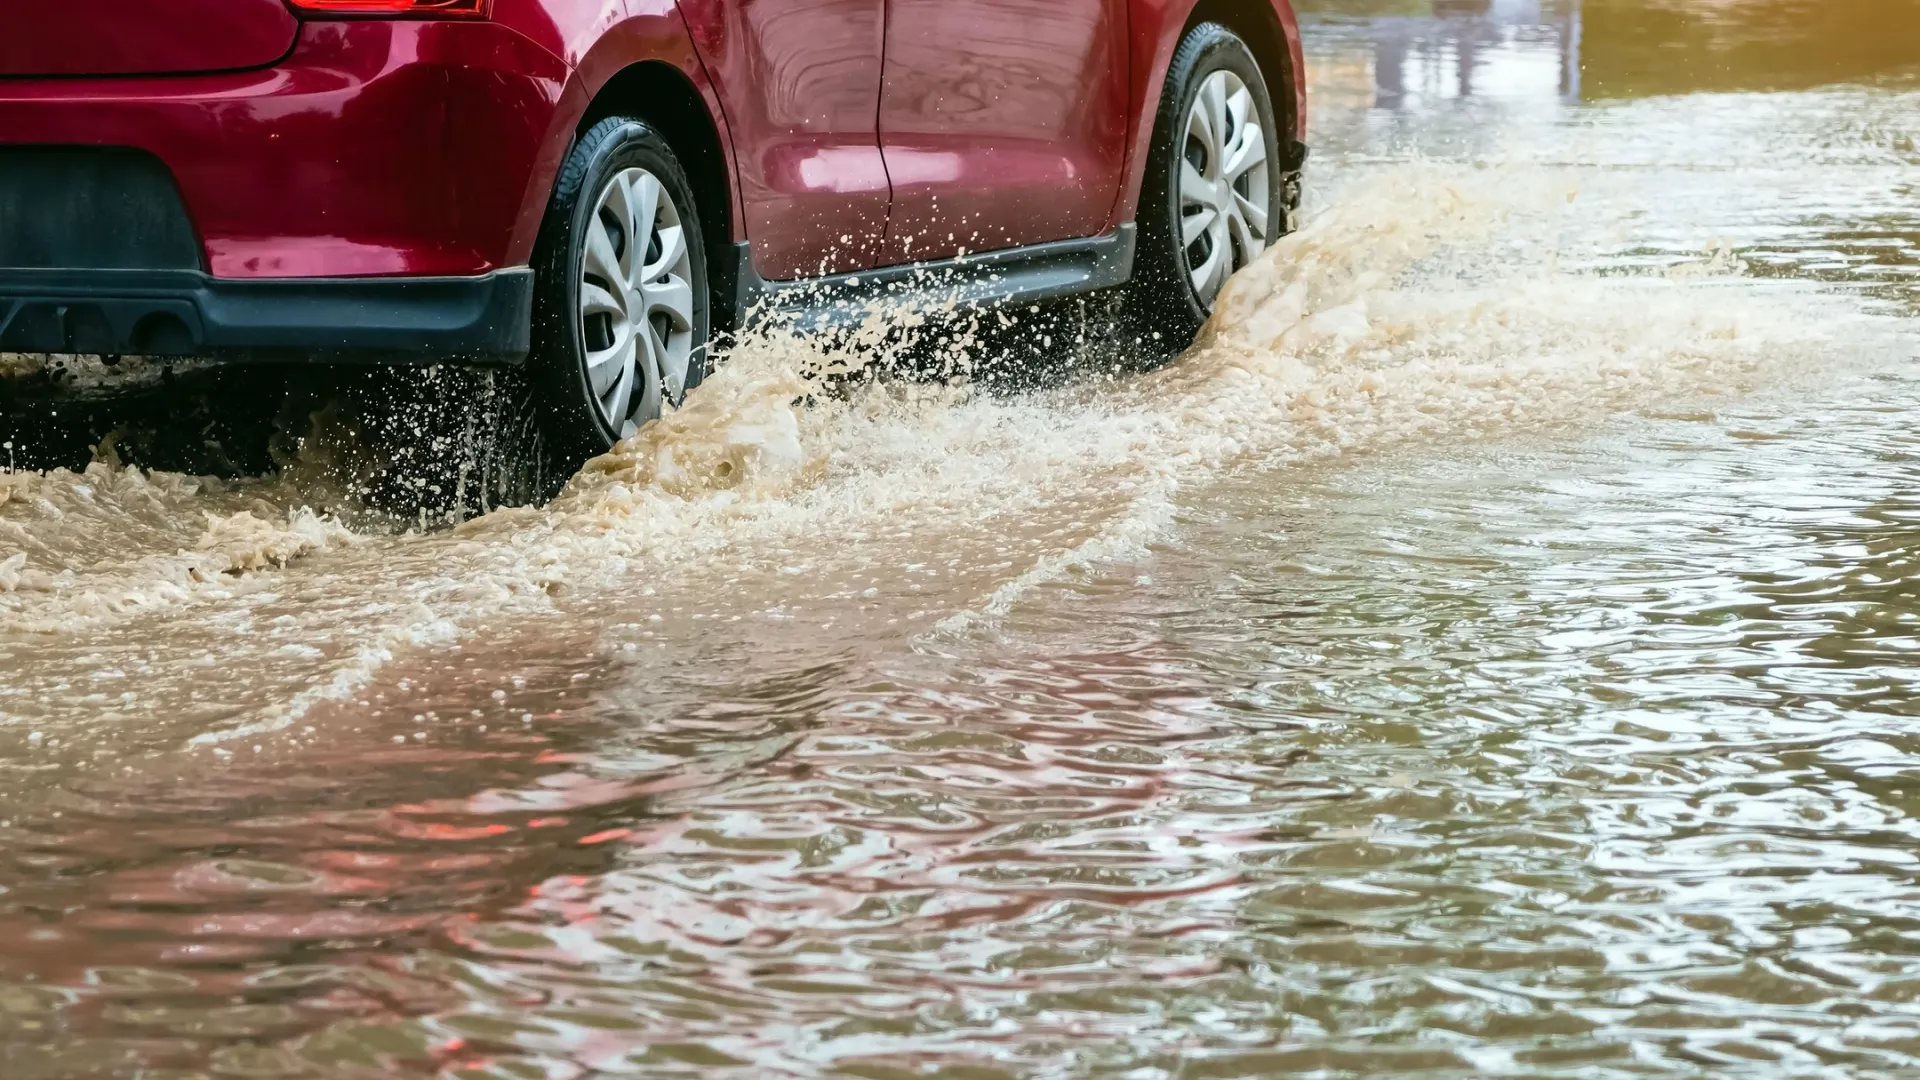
[1427,301]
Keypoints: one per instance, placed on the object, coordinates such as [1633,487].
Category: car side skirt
[1022,275]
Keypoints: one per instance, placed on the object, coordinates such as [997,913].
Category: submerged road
[1493,651]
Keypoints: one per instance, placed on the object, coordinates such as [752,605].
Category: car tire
[1213,74]
[621,309]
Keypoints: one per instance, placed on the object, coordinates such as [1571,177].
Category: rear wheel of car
[621,313]
[1212,200]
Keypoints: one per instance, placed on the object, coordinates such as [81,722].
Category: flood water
[1493,652]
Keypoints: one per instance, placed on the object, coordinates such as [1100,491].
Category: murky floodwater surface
[1492,652]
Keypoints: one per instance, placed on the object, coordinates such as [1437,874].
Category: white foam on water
[1425,301]
[423,629]
[1382,320]
[112,542]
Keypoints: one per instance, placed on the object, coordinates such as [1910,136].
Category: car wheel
[1213,196]
[621,315]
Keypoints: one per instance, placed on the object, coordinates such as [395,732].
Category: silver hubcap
[1225,193]
[636,301]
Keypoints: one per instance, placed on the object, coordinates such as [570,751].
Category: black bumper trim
[1024,275]
[1293,156]
[484,320]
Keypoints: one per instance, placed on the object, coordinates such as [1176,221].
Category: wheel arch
[1274,45]
[645,66]
[1270,30]
[667,98]
[664,97]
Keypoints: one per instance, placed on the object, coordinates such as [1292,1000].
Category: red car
[593,187]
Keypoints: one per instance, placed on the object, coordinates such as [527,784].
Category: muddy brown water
[1492,653]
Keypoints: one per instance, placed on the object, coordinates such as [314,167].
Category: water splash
[1427,301]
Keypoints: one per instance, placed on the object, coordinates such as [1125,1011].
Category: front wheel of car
[621,315]
[1213,196]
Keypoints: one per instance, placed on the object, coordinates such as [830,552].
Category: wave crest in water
[740,431]
[1426,300]
[770,809]
[1381,317]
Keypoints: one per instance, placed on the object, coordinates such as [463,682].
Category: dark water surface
[1495,655]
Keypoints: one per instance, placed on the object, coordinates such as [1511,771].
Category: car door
[1002,122]
[799,81]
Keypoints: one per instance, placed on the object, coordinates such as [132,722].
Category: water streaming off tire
[1493,652]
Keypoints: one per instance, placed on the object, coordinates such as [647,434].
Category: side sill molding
[1023,275]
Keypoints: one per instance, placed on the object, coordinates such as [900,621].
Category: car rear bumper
[483,319]
[375,147]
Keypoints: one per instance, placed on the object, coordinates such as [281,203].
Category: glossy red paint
[856,133]
[655,31]
[799,81]
[376,148]
[568,29]
[1003,122]
[140,37]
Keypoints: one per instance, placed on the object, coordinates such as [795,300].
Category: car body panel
[375,148]
[643,32]
[141,37]
[799,84]
[380,147]
[1003,122]
[568,29]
